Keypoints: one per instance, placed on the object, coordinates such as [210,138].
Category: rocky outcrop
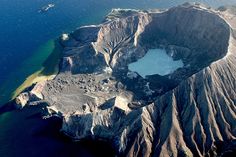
[30,96]
[185,113]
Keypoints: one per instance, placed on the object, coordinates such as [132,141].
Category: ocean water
[26,41]
[24,31]
[155,61]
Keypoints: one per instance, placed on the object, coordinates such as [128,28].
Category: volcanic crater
[99,97]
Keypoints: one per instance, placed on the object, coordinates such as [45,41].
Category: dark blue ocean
[23,30]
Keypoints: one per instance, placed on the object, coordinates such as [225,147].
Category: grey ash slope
[180,114]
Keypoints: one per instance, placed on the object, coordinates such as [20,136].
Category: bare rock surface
[185,113]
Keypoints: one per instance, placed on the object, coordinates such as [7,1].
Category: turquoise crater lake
[156,61]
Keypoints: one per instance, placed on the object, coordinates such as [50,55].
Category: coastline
[49,70]
[42,65]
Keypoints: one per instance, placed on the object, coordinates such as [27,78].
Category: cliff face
[186,113]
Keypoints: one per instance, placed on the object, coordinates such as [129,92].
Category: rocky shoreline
[181,114]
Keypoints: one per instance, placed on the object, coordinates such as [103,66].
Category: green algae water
[53,51]
[46,57]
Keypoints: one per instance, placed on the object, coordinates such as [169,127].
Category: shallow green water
[32,64]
